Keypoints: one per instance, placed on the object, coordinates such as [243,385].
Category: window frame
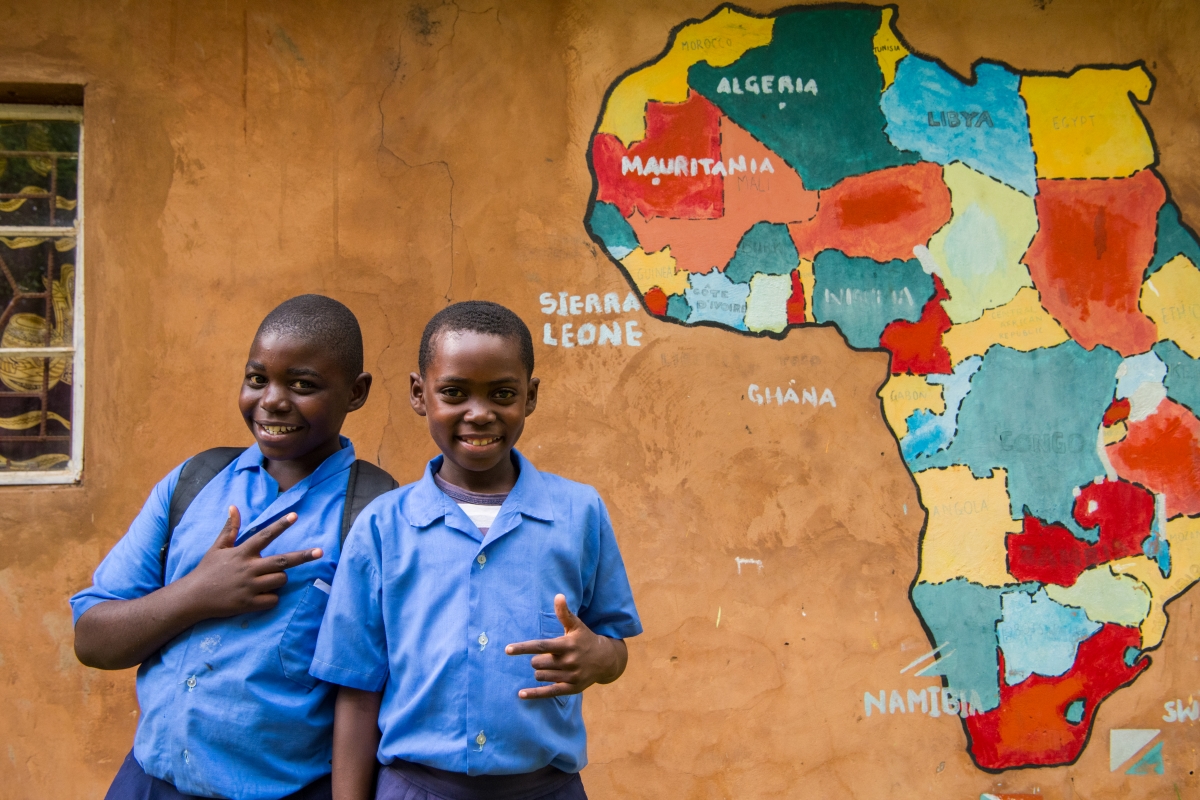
[73,473]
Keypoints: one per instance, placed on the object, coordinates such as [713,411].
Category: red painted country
[1030,727]
[1094,241]
[917,347]
[690,129]
[1052,554]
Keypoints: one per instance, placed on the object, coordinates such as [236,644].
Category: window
[41,294]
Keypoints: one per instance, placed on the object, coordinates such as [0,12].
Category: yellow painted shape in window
[904,394]
[719,40]
[1184,535]
[980,249]
[1106,596]
[1171,297]
[655,269]
[30,419]
[1086,126]
[888,50]
[46,461]
[18,242]
[1021,324]
[808,281]
[968,518]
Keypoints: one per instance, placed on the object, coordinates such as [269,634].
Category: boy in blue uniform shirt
[224,630]
[446,584]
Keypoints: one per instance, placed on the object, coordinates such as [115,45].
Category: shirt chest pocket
[299,640]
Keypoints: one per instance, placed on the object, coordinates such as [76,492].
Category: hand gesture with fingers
[572,662]
[234,579]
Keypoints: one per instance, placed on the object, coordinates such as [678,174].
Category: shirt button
[483,640]
[481,558]
[187,757]
[481,740]
[191,682]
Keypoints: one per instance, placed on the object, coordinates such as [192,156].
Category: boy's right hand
[235,579]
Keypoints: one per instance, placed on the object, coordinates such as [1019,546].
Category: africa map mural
[1005,238]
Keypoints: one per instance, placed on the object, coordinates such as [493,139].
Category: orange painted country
[1162,453]
[776,196]
[881,215]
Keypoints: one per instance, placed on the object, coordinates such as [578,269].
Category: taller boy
[223,634]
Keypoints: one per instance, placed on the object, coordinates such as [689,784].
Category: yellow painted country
[1184,535]
[1115,433]
[968,518]
[980,249]
[719,40]
[904,394]
[888,50]
[655,269]
[1021,324]
[1171,297]
[1086,126]
[1106,596]
[808,281]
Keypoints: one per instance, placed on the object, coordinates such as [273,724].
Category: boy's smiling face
[476,394]
[294,398]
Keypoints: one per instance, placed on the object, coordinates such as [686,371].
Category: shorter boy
[438,577]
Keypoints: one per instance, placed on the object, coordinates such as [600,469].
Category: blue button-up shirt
[228,708]
[425,604]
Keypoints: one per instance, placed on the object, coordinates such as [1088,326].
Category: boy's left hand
[573,661]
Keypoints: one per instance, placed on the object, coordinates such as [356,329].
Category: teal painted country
[1036,415]
[826,134]
[767,249]
[862,296]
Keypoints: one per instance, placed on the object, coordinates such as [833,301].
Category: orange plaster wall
[396,156]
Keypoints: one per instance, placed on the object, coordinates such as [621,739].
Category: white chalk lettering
[933,701]
[633,337]
[612,337]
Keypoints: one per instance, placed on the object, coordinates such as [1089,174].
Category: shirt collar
[252,458]
[426,503]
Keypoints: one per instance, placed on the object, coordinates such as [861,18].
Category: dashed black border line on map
[969,80]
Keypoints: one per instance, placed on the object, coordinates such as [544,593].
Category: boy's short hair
[317,318]
[478,316]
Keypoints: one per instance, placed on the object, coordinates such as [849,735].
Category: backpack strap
[194,476]
[366,482]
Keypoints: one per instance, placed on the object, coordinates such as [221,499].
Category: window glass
[40,288]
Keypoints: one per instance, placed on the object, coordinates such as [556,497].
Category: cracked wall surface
[400,155]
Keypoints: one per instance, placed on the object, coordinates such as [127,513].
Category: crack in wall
[426,28]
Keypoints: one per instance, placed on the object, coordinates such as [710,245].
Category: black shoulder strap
[194,476]
[366,482]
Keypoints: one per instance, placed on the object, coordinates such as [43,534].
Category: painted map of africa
[1005,237]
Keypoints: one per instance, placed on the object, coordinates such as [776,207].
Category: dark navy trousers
[132,783]
[405,781]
